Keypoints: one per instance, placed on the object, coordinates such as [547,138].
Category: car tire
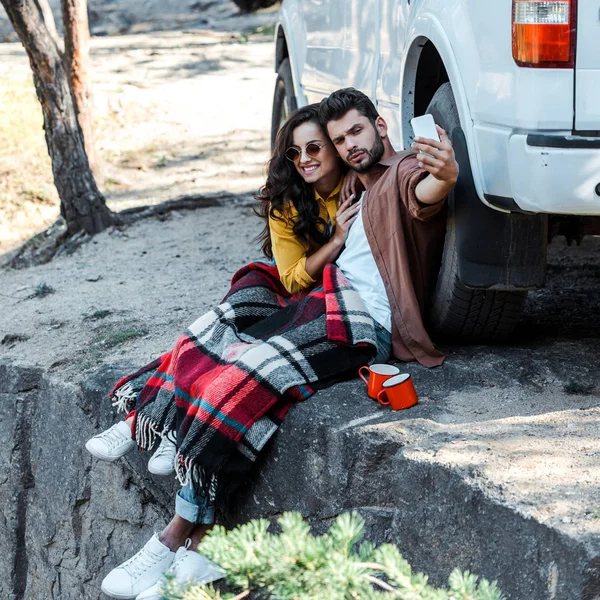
[456,311]
[284,98]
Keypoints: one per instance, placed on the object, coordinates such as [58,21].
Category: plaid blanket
[237,370]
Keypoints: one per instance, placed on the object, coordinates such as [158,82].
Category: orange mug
[399,392]
[377,375]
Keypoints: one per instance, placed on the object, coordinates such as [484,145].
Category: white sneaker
[140,572]
[113,443]
[162,462]
[188,567]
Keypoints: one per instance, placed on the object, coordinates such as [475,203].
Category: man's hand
[441,166]
[442,163]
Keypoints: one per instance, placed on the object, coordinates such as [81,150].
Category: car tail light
[544,33]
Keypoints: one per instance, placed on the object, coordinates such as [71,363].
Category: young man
[388,254]
[393,248]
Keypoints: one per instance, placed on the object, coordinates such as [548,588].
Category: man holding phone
[394,246]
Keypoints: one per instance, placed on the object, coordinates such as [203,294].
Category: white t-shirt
[358,265]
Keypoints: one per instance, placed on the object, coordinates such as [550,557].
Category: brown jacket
[406,238]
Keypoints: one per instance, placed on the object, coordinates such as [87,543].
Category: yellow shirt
[289,252]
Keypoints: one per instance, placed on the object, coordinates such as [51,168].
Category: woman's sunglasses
[312,149]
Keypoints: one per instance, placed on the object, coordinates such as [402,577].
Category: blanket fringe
[146,432]
[189,472]
[124,398]
[183,469]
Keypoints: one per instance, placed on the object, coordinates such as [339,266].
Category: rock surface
[513,498]
[68,519]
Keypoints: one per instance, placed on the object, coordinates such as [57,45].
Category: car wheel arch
[282,51]
[432,38]
[281,46]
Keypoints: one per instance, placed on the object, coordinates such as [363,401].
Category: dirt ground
[177,112]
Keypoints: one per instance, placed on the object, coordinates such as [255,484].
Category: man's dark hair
[341,101]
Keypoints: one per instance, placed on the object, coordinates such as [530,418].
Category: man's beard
[374,155]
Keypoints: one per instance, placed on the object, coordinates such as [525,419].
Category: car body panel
[587,78]
[376,47]
[553,180]
[324,68]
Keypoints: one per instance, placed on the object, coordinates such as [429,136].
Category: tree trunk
[77,40]
[82,204]
[48,17]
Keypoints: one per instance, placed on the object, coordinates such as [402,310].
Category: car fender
[295,39]
[424,27]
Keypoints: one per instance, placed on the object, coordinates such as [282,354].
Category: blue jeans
[384,344]
[192,508]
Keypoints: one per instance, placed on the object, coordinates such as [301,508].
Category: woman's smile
[309,169]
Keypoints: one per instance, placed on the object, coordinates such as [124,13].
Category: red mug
[399,392]
[377,375]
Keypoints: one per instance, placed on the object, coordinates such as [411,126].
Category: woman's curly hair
[284,185]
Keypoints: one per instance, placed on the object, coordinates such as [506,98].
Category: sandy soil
[127,293]
[176,111]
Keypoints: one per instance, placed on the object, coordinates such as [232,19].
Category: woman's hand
[345,216]
[328,253]
[352,186]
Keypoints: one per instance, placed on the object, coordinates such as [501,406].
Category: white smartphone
[424,127]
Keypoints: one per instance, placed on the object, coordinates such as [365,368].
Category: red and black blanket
[233,375]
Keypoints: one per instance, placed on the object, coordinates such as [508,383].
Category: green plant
[574,386]
[296,565]
[41,290]
[266,30]
[97,315]
[109,338]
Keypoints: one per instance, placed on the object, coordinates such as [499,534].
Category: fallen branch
[186,202]
[55,240]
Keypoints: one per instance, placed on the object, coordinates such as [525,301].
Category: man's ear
[381,126]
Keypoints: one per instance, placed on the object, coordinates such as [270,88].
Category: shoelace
[141,562]
[165,449]
[111,436]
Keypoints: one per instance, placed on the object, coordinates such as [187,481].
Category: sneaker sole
[211,578]
[115,595]
[162,472]
[107,457]
[150,594]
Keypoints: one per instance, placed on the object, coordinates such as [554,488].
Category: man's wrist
[446,186]
[431,190]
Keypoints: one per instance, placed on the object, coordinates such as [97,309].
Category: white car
[515,82]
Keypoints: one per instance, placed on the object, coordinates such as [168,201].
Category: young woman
[304,197]
[227,384]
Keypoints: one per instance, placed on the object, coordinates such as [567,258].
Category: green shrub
[296,565]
